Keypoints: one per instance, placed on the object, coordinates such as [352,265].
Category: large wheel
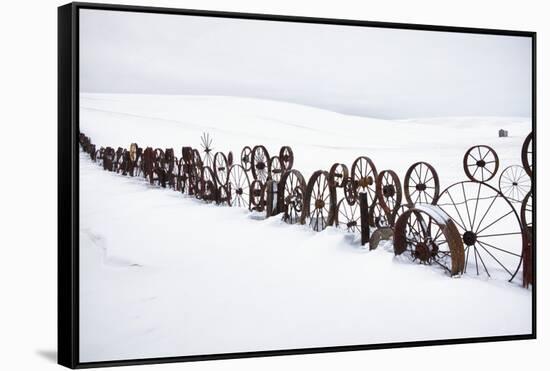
[239,187]
[514,183]
[364,174]
[260,163]
[292,189]
[490,228]
[480,163]
[427,236]
[348,217]
[421,184]
[388,191]
[527,154]
[221,168]
[320,202]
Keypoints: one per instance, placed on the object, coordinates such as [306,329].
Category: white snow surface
[163,275]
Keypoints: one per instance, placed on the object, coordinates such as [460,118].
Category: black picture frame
[68,182]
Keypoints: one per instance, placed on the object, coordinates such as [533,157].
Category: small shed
[502,133]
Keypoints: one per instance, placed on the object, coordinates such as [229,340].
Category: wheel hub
[319,204]
[388,190]
[480,163]
[239,191]
[469,238]
[353,223]
[421,187]
[422,252]
[260,165]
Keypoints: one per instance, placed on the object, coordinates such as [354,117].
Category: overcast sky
[365,71]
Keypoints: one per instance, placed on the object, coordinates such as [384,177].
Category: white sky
[366,71]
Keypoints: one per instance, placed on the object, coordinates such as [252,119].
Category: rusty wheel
[230,159]
[388,191]
[421,184]
[338,174]
[222,197]
[221,168]
[286,156]
[292,189]
[527,154]
[260,163]
[246,158]
[489,225]
[320,202]
[257,195]
[378,216]
[427,236]
[348,217]
[480,163]
[527,211]
[276,168]
[206,144]
[364,174]
[350,192]
[514,183]
[207,185]
[197,160]
[239,187]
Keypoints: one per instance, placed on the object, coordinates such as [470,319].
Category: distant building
[502,133]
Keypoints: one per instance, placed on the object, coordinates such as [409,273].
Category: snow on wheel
[491,230]
[514,183]
[239,187]
[421,184]
[427,236]
[480,163]
[364,174]
[292,190]
[527,154]
[348,217]
[260,163]
[320,202]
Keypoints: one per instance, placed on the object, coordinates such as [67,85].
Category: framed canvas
[238,185]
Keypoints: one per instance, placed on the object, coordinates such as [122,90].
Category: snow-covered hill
[166,275]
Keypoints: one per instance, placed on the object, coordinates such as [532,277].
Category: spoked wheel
[239,187]
[527,211]
[350,192]
[222,197]
[257,195]
[364,174]
[260,163]
[292,190]
[206,144]
[221,168]
[348,217]
[480,163]
[320,202]
[338,174]
[421,184]
[388,191]
[207,185]
[230,159]
[378,216]
[197,160]
[286,157]
[490,228]
[514,183]
[426,236]
[246,158]
[527,154]
[276,168]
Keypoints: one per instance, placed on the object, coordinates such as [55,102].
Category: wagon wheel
[350,192]
[239,187]
[260,162]
[527,154]
[257,195]
[514,183]
[291,193]
[276,168]
[197,180]
[364,174]
[427,236]
[320,202]
[174,174]
[338,174]
[208,187]
[377,216]
[421,184]
[527,211]
[348,217]
[398,212]
[480,163]
[286,157]
[489,225]
[206,144]
[221,168]
[246,158]
[388,191]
